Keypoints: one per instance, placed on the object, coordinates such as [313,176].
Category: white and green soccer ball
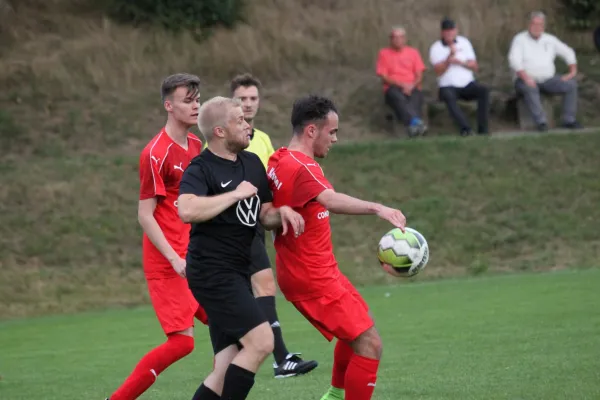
[403,254]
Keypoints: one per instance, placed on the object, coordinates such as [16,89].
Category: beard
[237,146]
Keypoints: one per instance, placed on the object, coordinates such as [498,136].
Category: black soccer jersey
[224,242]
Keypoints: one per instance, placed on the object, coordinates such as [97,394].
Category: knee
[188,347]
[266,344]
[181,343]
[262,342]
[263,283]
[447,95]
[369,344]
[376,345]
[571,85]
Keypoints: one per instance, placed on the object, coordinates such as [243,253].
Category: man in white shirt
[454,62]
[531,57]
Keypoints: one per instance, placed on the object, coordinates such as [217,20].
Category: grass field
[70,240]
[523,336]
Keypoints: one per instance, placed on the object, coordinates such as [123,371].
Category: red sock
[341,357]
[152,364]
[360,378]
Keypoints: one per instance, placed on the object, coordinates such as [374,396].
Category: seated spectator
[400,68]
[531,57]
[454,62]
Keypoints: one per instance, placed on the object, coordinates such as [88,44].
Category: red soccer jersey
[306,266]
[162,163]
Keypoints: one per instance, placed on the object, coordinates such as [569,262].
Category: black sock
[267,305]
[237,384]
[205,393]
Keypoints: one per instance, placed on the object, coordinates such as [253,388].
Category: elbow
[142,219]
[184,214]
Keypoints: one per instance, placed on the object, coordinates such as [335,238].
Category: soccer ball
[403,254]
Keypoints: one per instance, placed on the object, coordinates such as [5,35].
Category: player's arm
[339,203]
[273,218]
[194,205]
[193,208]
[283,217]
[151,188]
[151,228]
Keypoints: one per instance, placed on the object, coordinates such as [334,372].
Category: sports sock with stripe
[361,377]
[152,364]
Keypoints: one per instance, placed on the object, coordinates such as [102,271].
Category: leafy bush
[581,14]
[197,16]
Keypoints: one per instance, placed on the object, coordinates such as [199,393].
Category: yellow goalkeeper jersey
[261,145]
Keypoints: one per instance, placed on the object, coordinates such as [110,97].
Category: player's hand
[530,82]
[245,190]
[291,218]
[395,217]
[178,265]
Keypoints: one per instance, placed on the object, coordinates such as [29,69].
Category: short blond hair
[214,113]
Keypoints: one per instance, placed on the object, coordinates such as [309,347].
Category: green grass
[70,241]
[522,336]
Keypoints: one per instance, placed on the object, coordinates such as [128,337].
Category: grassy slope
[93,85]
[78,103]
[69,238]
[517,337]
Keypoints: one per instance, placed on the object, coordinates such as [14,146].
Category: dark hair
[311,108]
[172,82]
[244,80]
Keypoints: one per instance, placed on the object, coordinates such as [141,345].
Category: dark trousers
[405,107]
[473,91]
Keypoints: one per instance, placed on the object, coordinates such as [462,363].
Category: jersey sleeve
[151,181]
[308,184]
[264,191]
[194,180]
[381,66]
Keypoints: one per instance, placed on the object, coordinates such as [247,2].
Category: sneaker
[293,366]
[333,394]
[417,127]
[572,125]
[413,131]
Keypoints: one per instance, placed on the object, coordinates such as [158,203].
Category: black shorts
[260,258]
[230,306]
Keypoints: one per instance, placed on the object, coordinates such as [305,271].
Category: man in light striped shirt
[531,57]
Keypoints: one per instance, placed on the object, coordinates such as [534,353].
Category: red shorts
[174,304]
[341,313]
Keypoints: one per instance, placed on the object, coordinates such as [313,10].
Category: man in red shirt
[307,271]
[400,68]
[166,236]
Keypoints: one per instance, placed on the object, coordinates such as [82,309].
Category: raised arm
[340,203]
[195,206]
[440,63]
